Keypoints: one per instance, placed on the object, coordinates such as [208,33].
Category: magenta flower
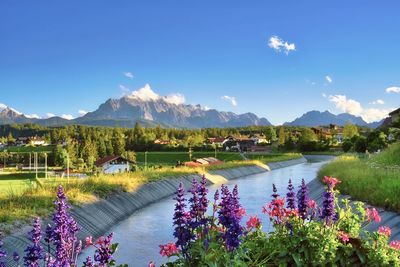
[395,244]
[373,215]
[344,236]
[168,249]
[384,230]
[253,222]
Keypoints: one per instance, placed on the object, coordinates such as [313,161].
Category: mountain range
[126,111]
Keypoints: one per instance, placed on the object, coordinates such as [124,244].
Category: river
[140,235]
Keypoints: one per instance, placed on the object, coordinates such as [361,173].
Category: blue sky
[278,60]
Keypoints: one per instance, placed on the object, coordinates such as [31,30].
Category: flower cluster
[168,249]
[62,242]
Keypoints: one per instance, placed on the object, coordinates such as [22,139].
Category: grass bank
[375,180]
[36,199]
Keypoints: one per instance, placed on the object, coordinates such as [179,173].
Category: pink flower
[395,244]
[168,249]
[343,236]
[373,215]
[152,264]
[384,230]
[253,222]
[241,212]
[311,204]
[331,181]
[89,241]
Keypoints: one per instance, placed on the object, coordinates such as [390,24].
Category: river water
[140,235]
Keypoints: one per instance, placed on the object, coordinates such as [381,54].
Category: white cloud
[346,105]
[2,106]
[67,116]
[280,45]
[49,115]
[82,112]
[33,116]
[328,79]
[147,94]
[378,102]
[393,89]
[324,95]
[128,74]
[354,107]
[176,99]
[230,99]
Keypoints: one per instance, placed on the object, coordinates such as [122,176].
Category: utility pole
[45,165]
[145,160]
[30,161]
[36,164]
[68,168]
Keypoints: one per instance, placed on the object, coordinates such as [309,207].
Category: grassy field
[267,158]
[375,180]
[27,149]
[22,196]
[170,158]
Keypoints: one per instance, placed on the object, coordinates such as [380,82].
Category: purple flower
[328,213]
[229,217]
[3,255]
[181,231]
[275,194]
[88,262]
[302,197]
[291,196]
[16,257]
[103,253]
[34,252]
[202,191]
[64,231]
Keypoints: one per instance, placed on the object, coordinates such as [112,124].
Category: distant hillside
[317,118]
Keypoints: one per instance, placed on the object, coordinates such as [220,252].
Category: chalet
[37,141]
[215,141]
[162,142]
[259,139]
[395,116]
[21,141]
[113,164]
[246,144]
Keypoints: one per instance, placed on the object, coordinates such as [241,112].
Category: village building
[114,164]
[395,116]
[37,141]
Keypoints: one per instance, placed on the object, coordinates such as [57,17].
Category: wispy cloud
[280,45]
[230,99]
[128,74]
[378,102]
[393,89]
[32,116]
[147,94]
[328,79]
[49,115]
[82,112]
[67,116]
[354,107]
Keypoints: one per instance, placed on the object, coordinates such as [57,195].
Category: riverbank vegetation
[304,234]
[373,179]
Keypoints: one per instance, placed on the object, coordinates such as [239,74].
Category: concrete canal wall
[97,218]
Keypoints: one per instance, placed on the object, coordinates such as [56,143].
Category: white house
[114,164]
